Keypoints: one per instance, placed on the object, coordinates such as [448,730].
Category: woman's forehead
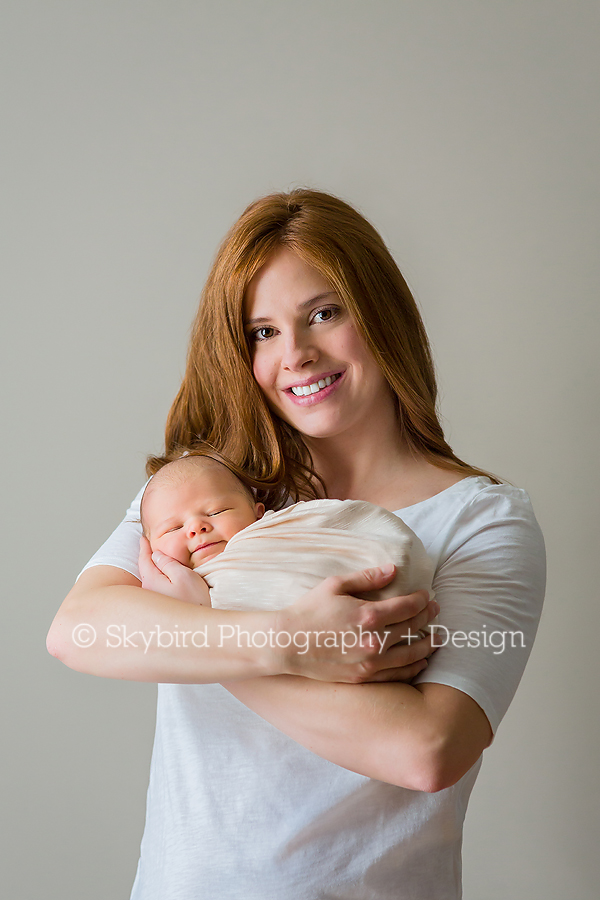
[285,274]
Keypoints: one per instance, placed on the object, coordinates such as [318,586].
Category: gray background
[136,132]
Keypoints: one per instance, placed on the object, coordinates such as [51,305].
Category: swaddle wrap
[273,562]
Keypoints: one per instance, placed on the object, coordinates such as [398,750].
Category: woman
[309,368]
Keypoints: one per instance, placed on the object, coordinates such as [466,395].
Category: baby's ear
[259,509]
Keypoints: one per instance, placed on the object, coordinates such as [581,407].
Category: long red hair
[219,401]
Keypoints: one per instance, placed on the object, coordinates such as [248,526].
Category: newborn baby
[198,512]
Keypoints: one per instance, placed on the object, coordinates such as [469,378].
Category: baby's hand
[164,575]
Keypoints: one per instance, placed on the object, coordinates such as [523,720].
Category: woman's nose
[298,351]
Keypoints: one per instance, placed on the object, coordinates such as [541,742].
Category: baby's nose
[198,526]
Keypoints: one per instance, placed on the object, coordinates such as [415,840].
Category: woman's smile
[314,390]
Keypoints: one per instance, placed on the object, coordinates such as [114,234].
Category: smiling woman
[295,265]
[275,774]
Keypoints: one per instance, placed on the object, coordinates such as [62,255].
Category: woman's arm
[109,626]
[424,738]
[490,583]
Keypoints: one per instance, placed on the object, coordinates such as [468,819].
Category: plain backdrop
[134,134]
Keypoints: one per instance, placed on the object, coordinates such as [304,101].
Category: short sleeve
[123,546]
[489,582]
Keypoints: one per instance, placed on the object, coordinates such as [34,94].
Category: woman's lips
[317,396]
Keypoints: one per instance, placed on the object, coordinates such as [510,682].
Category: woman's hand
[164,575]
[330,635]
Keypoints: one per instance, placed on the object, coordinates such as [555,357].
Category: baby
[193,506]
[198,512]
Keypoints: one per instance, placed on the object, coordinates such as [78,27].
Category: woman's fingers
[154,570]
[408,631]
[164,563]
[362,635]
[399,610]
[403,661]
[151,577]
[421,647]
[365,580]
[180,581]
[145,559]
[404,673]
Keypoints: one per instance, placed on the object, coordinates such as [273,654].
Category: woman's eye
[325,315]
[262,334]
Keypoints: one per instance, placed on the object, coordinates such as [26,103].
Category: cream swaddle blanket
[273,562]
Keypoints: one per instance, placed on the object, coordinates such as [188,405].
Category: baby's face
[192,520]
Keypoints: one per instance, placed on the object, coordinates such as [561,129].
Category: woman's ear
[259,509]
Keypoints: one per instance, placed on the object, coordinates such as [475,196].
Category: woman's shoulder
[461,491]
[476,510]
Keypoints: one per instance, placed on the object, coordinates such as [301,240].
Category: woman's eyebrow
[301,306]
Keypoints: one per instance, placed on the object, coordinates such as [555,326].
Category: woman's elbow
[53,645]
[432,768]
[435,778]
[451,741]
[70,636]
[444,767]
[60,640]
[425,776]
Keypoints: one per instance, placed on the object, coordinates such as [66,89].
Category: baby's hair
[171,473]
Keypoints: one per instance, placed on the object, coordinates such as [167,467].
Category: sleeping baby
[198,512]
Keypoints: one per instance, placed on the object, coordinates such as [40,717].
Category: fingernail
[156,556]
[387,570]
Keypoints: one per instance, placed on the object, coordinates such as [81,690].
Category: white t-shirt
[236,809]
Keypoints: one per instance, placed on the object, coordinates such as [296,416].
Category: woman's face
[308,357]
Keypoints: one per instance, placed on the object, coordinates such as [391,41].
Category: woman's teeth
[315,387]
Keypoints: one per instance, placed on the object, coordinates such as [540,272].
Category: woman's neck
[365,469]
[380,468]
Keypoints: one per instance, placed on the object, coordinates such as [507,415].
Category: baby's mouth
[204,546]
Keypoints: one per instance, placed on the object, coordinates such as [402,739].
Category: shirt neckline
[447,490]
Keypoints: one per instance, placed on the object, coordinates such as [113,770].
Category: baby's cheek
[172,548]
[181,554]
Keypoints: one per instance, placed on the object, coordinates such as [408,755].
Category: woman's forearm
[123,631]
[350,725]
[109,626]
[422,738]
